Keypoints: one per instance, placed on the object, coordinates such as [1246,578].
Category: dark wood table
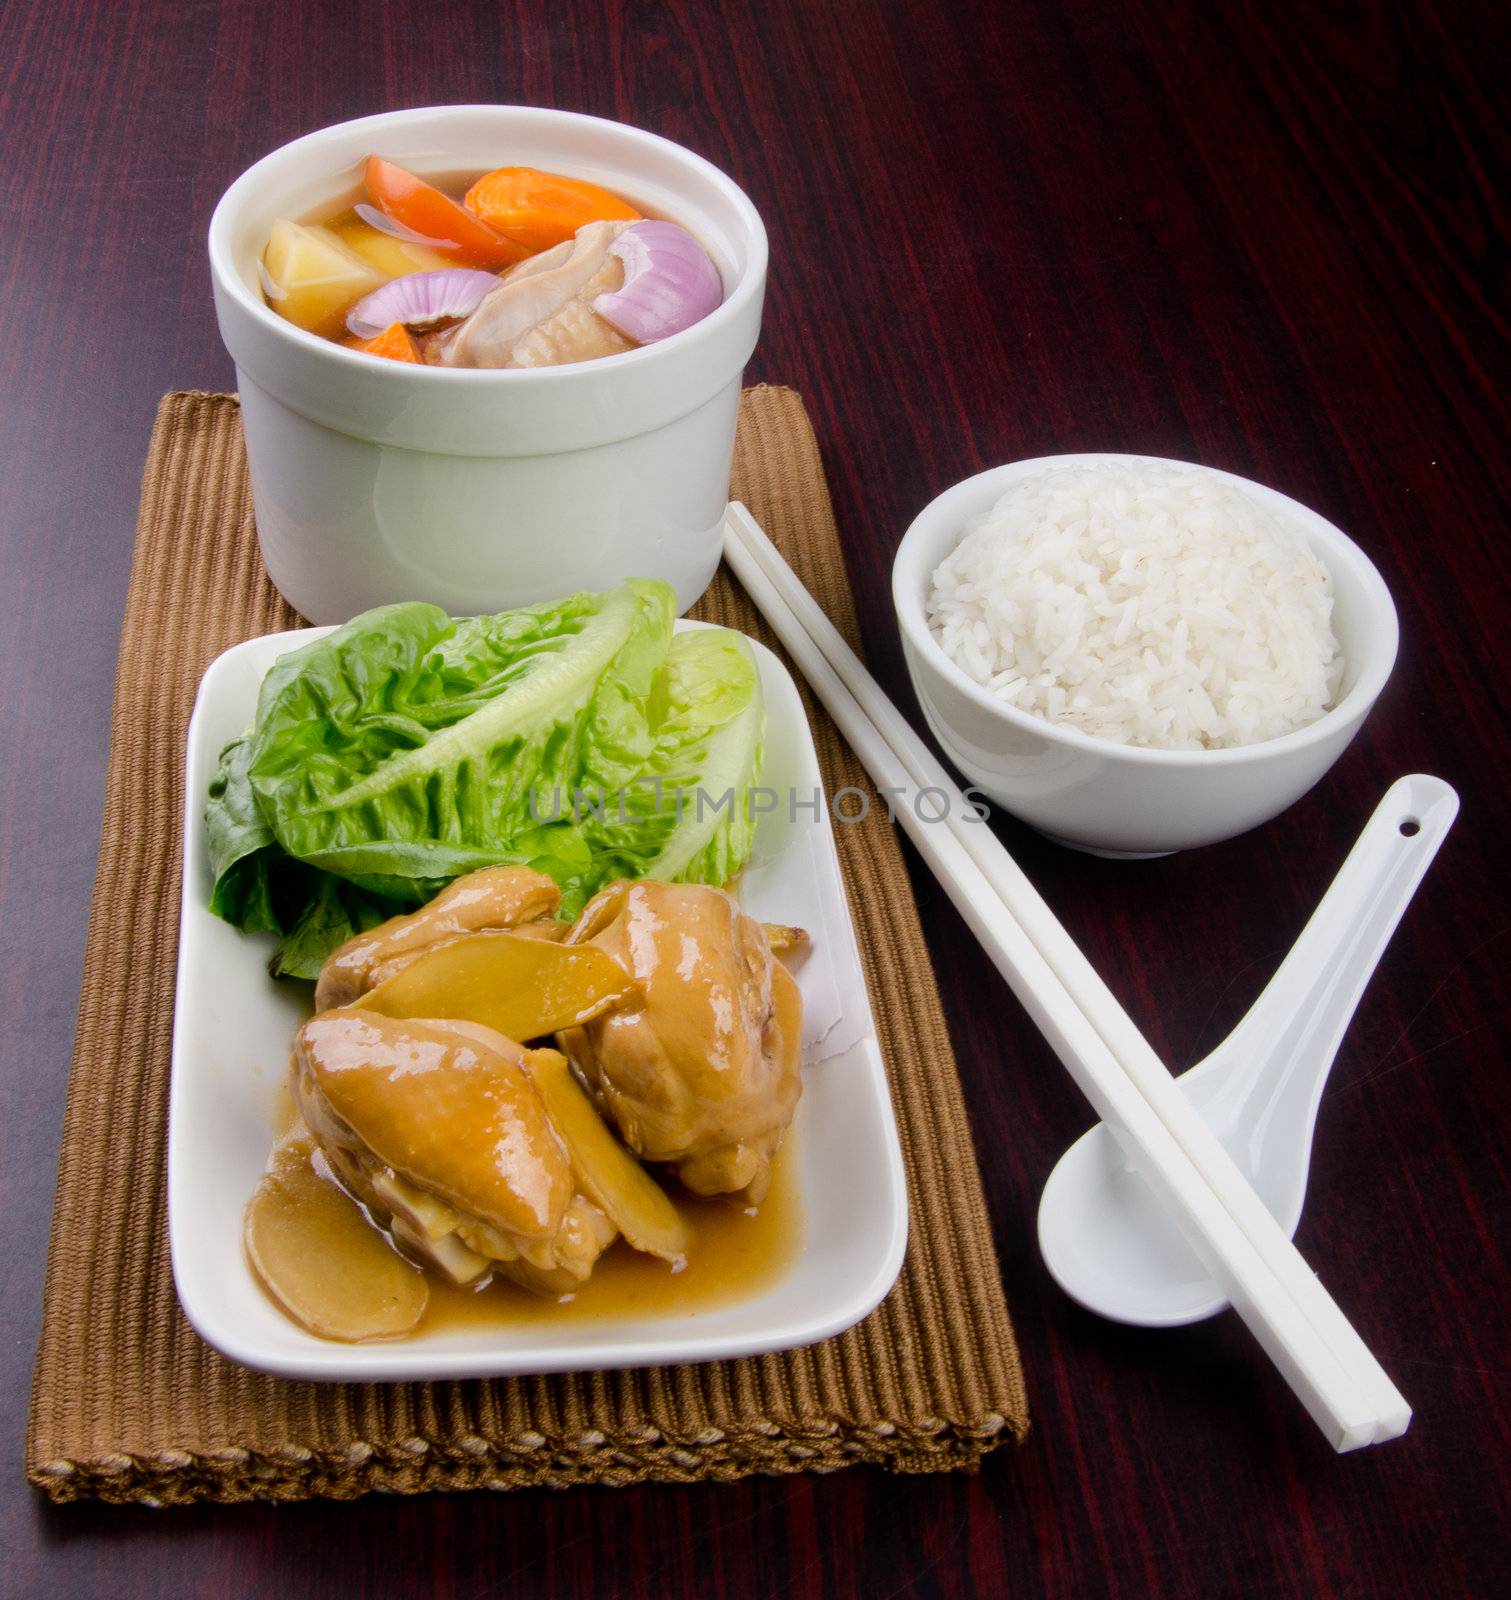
[1261,237]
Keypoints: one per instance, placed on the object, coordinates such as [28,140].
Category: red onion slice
[669,283]
[396,230]
[420,300]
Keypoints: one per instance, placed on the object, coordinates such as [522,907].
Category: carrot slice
[540,209]
[448,227]
[394,342]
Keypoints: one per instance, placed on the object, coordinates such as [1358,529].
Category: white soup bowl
[376,481]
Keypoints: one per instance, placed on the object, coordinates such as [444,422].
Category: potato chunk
[395,257]
[313,279]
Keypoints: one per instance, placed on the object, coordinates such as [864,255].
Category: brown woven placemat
[128,1403]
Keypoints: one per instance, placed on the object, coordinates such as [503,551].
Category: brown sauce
[285,1113]
[735,1255]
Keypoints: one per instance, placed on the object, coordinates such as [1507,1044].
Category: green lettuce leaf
[241,846]
[686,815]
[333,912]
[405,749]
[400,751]
[261,888]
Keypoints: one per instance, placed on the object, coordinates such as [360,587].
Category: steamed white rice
[1151,605]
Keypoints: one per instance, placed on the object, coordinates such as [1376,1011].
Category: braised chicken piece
[437,1129]
[496,897]
[699,1066]
[541,314]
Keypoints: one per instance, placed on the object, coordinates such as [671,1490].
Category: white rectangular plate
[233,1026]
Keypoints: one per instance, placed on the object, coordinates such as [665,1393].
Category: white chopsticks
[1301,1328]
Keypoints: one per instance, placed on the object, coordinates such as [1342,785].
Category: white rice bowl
[1152,605]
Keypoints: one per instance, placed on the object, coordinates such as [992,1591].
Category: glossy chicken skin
[496,897]
[700,1068]
[437,1129]
[541,314]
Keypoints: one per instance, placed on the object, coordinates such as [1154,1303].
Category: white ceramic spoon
[1104,1236]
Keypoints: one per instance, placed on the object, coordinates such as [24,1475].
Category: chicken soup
[511,268]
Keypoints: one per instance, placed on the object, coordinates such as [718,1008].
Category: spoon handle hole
[1411,827]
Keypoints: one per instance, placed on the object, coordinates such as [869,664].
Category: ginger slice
[520,986]
[605,1171]
[320,1258]
[784,940]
